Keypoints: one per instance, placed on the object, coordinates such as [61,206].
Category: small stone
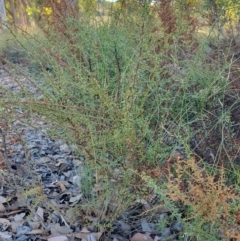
[177,226]
[22,230]
[57,229]
[124,227]
[59,142]
[77,162]
[22,238]
[166,232]
[145,225]
[62,178]
[43,160]
[65,148]
[67,174]
[82,158]
[77,181]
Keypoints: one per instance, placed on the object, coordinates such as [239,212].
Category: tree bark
[13,12]
[3,17]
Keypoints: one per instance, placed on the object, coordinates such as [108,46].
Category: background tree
[3,16]
[29,13]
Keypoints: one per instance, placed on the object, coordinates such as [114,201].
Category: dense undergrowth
[149,115]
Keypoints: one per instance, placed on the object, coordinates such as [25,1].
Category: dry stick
[119,72]
[4,147]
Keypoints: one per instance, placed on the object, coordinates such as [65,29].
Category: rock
[65,148]
[43,160]
[22,230]
[165,232]
[77,181]
[22,238]
[177,226]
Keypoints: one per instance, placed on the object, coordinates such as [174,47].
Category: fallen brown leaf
[61,185]
[85,234]
[141,237]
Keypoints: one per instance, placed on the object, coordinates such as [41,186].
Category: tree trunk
[13,12]
[24,17]
[3,17]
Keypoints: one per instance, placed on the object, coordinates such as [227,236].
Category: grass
[128,106]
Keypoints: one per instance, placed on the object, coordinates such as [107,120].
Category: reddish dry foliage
[207,195]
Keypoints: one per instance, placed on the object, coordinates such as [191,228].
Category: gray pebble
[177,226]
[65,148]
[22,238]
[23,230]
[166,232]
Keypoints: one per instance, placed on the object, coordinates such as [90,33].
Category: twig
[4,148]
[119,72]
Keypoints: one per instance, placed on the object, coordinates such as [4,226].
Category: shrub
[127,106]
